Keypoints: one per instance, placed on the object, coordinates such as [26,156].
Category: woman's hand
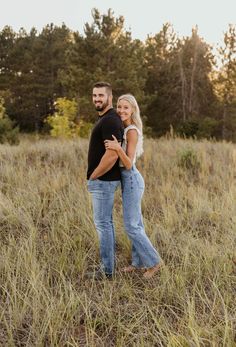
[112,144]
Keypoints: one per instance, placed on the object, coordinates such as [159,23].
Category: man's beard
[102,106]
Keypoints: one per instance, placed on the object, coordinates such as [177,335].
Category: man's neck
[105,110]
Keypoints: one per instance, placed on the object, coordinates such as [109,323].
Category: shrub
[201,128]
[187,159]
[84,128]
[64,123]
[60,126]
[209,128]
[188,128]
[8,133]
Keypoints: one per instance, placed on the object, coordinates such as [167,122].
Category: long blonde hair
[135,118]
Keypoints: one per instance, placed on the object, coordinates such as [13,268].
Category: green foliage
[225,84]
[106,52]
[84,129]
[187,159]
[64,122]
[188,128]
[178,85]
[66,108]
[86,109]
[174,79]
[61,126]
[30,70]
[2,109]
[209,128]
[8,133]
[200,128]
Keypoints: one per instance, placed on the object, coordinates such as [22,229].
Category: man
[104,174]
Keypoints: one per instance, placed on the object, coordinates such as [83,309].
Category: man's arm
[106,163]
[110,126]
[127,157]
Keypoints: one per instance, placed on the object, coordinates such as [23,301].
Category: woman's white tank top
[139,147]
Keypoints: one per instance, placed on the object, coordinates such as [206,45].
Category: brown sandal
[153,270]
[129,268]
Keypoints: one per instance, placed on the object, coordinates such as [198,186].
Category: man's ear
[110,99]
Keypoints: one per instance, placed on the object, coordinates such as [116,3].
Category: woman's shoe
[153,270]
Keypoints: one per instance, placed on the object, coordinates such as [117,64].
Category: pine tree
[225,84]
[108,53]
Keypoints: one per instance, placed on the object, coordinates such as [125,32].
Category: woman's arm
[128,156]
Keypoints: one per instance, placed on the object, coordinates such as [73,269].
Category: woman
[144,254]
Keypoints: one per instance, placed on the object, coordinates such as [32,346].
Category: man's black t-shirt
[107,125]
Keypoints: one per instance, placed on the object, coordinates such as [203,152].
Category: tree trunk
[224,122]
[183,87]
[191,94]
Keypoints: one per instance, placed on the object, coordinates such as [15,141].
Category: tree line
[180,83]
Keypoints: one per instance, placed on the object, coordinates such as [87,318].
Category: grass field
[48,242]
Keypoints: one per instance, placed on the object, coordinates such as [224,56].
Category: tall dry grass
[48,242]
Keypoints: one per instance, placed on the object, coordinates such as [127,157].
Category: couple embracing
[115,143]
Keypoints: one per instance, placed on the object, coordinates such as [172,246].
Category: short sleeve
[112,126]
[129,128]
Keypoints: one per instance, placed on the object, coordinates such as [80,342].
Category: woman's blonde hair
[135,118]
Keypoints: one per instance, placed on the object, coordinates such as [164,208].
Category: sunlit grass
[48,242]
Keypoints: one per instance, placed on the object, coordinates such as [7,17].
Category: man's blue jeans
[143,252]
[103,200]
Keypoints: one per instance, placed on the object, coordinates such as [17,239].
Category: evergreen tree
[225,84]
[106,52]
[173,79]
[178,80]
[7,42]
[162,84]
[195,66]
[8,132]
[33,79]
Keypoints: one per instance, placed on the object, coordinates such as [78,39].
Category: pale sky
[141,17]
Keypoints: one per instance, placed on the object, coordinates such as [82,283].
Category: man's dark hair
[103,84]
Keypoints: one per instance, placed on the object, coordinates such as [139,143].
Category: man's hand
[107,162]
[92,177]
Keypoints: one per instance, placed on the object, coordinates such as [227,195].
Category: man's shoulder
[111,113]
[112,116]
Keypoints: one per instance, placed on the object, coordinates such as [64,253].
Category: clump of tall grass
[187,159]
[48,242]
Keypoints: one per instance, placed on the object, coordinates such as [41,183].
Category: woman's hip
[132,180]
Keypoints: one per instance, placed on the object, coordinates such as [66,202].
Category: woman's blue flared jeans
[143,252]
